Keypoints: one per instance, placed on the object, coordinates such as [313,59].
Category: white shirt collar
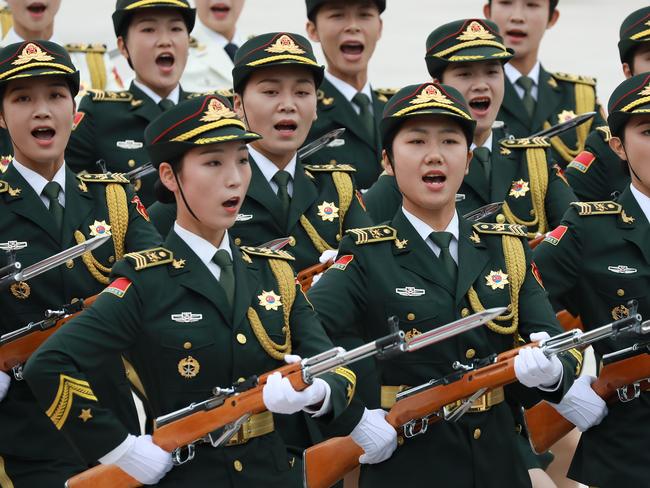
[174,96]
[36,181]
[203,249]
[268,167]
[207,36]
[487,144]
[347,90]
[642,200]
[423,229]
[513,73]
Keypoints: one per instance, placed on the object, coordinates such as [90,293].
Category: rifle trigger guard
[624,394]
[177,455]
[410,427]
[18,372]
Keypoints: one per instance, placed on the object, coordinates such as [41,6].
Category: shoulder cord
[97,68]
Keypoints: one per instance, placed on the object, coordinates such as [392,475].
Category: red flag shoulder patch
[78,117]
[139,206]
[536,273]
[582,161]
[118,287]
[342,262]
[556,235]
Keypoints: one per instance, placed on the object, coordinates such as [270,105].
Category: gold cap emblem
[217,110]
[431,94]
[475,30]
[30,53]
[646,91]
[284,45]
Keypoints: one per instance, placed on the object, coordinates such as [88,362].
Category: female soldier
[195,314]
[428,267]
[44,205]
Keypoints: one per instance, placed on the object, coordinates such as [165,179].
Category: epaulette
[103,178]
[585,80]
[369,235]
[150,258]
[224,92]
[265,252]
[604,130]
[109,96]
[329,168]
[525,142]
[383,94]
[325,100]
[501,229]
[85,48]
[597,208]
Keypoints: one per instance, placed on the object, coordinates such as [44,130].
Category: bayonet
[328,139]
[558,129]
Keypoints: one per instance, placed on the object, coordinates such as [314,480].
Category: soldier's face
[157,44]
[214,179]
[635,150]
[522,23]
[219,15]
[482,85]
[430,160]
[348,33]
[38,114]
[34,15]
[279,102]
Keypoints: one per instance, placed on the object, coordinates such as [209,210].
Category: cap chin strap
[630,165]
[180,189]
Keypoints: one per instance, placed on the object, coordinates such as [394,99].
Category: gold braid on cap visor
[204,128]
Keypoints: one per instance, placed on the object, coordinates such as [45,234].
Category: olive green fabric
[592,265]
[633,32]
[124,10]
[631,97]
[180,362]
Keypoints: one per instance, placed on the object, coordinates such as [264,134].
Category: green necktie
[529,102]
[282,179]
[362,101]
[165,104]
[442,240]
[51,191]
[227,278]
[482,155]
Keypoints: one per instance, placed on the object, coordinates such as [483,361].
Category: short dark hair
[552,5]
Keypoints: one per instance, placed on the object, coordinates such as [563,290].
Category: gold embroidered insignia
[269,300]
[475,30]
[497,279]
[519,188]
[285,45]
[620,312]
[378,233]
[30,53]
[565,116]
[246,258]
[4,163]
[552,83]
[401,243]
[216,111]
[82,186]
[85,414]
[505,151]
[475,238]
[178,263]
[597,208]
[68,387]
[430,94]
[5,188]
[626,218]
[328,211]
[411,334]
[188,367]
[150,257]
[20,290]
[99,228]
[646,91]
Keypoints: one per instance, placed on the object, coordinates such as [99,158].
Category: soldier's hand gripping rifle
[417,407]
[216,419]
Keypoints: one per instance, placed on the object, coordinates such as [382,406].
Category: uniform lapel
[142,105]
[513,104]
[78,205]
[304,195]
[638,230]
[472,258]
[245,284]
[504,169]
[260,191]
[548,98]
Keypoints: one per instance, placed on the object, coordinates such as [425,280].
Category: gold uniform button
[238,465]
[501,218]
[411,316]
[111,259]
[620,292]
[69,264]
[477,433]
[131,163]
[464,312]
[237,241]
[470,353]
[187,345]
[292,241]
[241,338]
[400,440]
[241,380]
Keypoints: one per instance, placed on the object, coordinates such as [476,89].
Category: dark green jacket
[556,99]
[109,126]
[361,150]
[597,260]
[390,270]
[597,172]
[25,430]
[136,314]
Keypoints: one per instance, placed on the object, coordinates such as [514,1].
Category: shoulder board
[109,96]
[85,48]
[585,80]
[526,142]
[329,168]
[605,132]
[502,229]
[597,208]
[383,94]
[150,258]
[224,92]
[267,253]
[324,99]
[369,235]
[103,178]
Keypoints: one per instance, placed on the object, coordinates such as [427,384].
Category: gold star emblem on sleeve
[269,300]
[328,211]
[85,414]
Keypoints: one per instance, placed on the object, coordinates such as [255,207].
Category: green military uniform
[592,264]
[32,452]
[184,337]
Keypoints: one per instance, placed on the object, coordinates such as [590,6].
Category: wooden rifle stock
[19,350]
[306,276]
[568,321]
[546,426]
[189,429]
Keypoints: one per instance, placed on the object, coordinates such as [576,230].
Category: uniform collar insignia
[30,53]
[646,91]
[284,45]
[401,243]
[216,111]
[410,291]
[186,317]
[475,31]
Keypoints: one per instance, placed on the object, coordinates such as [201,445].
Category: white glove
[327,255]
[140,458]
[581,405]
[5,379]
[279,396]
[534,370]
[292,358]
[375,436]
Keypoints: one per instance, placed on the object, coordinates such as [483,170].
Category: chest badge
[186,317]
[99,228]
[410,291]
[519,188]
[497,279]
[328,211]
[620,312]
[188,367]
[269,300]
[565,116]
[129,144]
[20,290]
[622,269]
[411,334]
[243,217]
